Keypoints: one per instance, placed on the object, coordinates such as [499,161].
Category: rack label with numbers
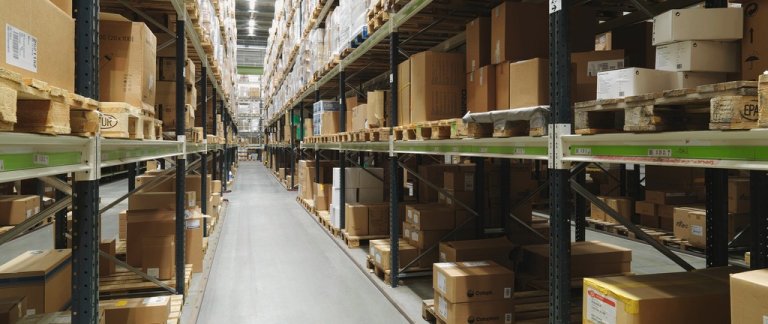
[519,151]
[583,151]
[660,152]
[555,6]
[20,48]
[40,159]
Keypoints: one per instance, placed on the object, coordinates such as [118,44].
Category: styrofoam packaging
[632,82]
[698,56]
[722,24]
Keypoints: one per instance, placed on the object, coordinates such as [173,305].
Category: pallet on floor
[125,282]
[624,231]
[307,204]
[385,275]
[355,241]
[681,109]
[601,225]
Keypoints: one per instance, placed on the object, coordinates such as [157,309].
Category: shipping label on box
[698,56]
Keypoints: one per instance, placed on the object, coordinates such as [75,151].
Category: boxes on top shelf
[437,86]
[718,24]
[698,56]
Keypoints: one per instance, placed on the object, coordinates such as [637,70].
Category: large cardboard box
[14,209]
[329,123]
[518,31]
[495,249]
[478,43]
[430,217]
[698,56]
[356,219]
[146,223]
[463,282]
[193,242]
[646,208]
[529,83]
[160,200]
[158,256]
[586,67]
[44,277]
[691,224]
[690,80]
[502,86]
[127,64]
[749,291]
[379,105]
[623,205]
[163,186]
[494,311]
[738,195]
[754,46]
[12,309]
[404,93]
[55,318]
[632,82]
[380,250]
[481,86]
[590,258]
[437,86]
[378,219]
[720,24]
[683,297]
[322,196]
[137,310]
[39,42]
[359,116]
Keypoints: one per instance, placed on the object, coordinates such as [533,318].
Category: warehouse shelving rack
[50,159]
[566,154]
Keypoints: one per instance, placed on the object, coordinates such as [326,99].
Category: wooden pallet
[33,106]
[600,225]
[177,302]
[122,120]
[682,109]
[680,244]
[124,282]
[356,241]
[385,275]
[308,204]
[624,231]
[532,127]
[530,307]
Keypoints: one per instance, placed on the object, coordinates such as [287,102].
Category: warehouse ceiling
[254,17]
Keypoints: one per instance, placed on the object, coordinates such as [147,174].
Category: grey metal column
[580,213]
[293,150]
[716,181]
[394,186]
[480,196]
[85,203]
[204,155]
[342,154]
[559,173]
[758,221]
[132,172]
[224,162]
[60,223]
[181,160]
[214,164]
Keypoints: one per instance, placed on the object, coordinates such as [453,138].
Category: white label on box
[37,210]
[442,256]
[31,311]
[441,282]
[29,213]
[508,318]
[600,308]
[191,203]
[378,258]
[595,67]
[697,230]
[507,293]
[155,300]
[442,307]
[153,272]
[20,49]
[415,236]
[409,214]
[416,218]
[475,264]
[555,6]
[765,319]
[469,182]
[193,223]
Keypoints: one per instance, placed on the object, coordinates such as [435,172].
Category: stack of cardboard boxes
[367,219]
[665,189]
[590,258]
[14,209]
[426,224]
[473,290]
[361,186]
[325,119]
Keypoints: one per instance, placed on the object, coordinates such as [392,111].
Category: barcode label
[660,152]
[41,159]
[519,151]
[508,318]
[595,67]
[20,49]
[583,151]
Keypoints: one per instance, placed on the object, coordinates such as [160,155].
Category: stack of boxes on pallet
[362,187]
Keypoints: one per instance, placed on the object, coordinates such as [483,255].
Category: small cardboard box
[216,186]
[476,281]
[590,258]
[698,56]
[44,277]
[529,83]
[107,267]
[146,223]
[622,205]
[495,249]
[646,208]
[382,256]
[749,291]
[719,24]
[137,310]
[193,243]
[494,311]
[481,86]
[356,219]
[632,82]
[518,31]
[664,197]
[12,309]
[478,43]
[690,224]
[431,217]
[158,256]
[15,209]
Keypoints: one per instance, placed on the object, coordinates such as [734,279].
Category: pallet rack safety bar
[181,160]
[85,199]
[204,155]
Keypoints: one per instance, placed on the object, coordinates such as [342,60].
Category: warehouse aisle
[274,264]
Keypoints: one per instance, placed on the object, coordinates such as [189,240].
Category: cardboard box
[698,56]
[690,80]
[623,205]
[632,82]
[529,83]
[691,224]
[379,105]
[107,267]
[127,64]
[163,186]
[588,65]
[460,178]
[424,239]
[193,242]
[434,174]
[698,297]
[437,86]
[146,223]
[481,86]
[329,123]
[382,256]
[356,219]
[44,51]
[749,291]
[496,249]
[719,24]
[194,183]
[738,195]
[160,200]
[137,310]
[404,93]
[664,197]
[378,219]
[359,116]
[122,225]
[476,281]
[431,217]
[754,46]
[495,311]
[646,208]
[478,43]
[322,196]
[44,277]
[370,195]
[158,256]
[649,220]
[55,318]
[672,178]
[502,86]
[12,309]
[590,258]
[15,209]
[518,32]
